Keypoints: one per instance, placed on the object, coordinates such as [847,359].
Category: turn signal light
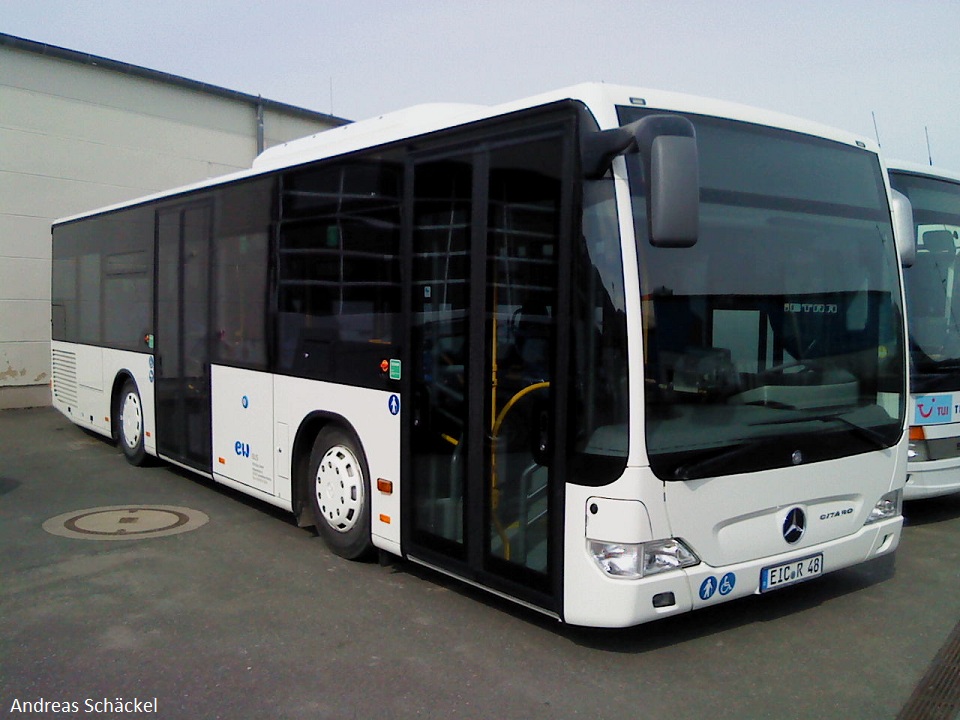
[385,486]
[917,433]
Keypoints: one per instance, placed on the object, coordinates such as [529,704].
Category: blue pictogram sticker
[151,376]
[708,587]
[245,401]
[394,404]
[727,583]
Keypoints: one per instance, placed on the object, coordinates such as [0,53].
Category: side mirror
[673,202]
[667,145]
[901,212]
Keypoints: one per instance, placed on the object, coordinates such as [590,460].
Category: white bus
[612,353]
[933,316]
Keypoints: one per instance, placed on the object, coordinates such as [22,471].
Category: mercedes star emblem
[794,525]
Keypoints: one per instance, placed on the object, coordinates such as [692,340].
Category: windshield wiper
[937,366]
[878,440]
[697,468]
[923,381]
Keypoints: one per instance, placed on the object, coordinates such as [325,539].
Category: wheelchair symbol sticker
[711,585]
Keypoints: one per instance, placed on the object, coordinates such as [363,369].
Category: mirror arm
[598,149]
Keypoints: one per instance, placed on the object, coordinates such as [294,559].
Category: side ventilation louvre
[64,366]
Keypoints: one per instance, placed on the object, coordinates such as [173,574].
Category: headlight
[630,561]
[889,506]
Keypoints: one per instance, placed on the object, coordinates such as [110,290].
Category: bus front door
[181,351]
[481,500]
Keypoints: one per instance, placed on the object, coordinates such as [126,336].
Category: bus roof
[924,170]
[602,99]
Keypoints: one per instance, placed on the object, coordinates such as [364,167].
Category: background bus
[613,354]
[933,311]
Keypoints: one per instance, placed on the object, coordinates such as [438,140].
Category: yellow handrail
[494,432]
[513,401]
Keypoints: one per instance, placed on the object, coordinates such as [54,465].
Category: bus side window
[240,300]
[338,274]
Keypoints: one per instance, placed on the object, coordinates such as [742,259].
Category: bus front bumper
[932,479]
[602,601]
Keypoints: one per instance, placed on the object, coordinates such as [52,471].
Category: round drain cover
[125,522]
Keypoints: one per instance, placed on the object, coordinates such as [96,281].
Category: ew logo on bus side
[933,409]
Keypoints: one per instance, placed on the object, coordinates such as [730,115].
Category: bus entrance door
[181,352]
[481,501]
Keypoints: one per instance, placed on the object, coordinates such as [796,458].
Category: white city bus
[933,316]
[615,354]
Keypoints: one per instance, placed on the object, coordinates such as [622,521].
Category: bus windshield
[776,339]
[933,282]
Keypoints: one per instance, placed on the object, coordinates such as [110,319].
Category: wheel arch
[310,427]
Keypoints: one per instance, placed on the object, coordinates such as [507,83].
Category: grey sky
[834,61]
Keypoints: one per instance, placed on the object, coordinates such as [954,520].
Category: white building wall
[75,136]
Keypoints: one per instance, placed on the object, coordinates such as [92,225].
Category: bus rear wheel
[130,424]
[338,485]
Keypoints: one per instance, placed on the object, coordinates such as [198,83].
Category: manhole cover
[125,522]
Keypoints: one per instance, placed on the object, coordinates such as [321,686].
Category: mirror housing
[904,234]
[673,202]
[667,145]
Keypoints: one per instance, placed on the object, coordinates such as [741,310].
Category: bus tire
[130,424]
[338,488]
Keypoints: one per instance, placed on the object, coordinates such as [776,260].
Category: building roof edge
[139,71]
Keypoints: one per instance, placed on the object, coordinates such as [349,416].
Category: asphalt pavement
[151,592]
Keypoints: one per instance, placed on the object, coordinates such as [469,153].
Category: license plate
[789,573]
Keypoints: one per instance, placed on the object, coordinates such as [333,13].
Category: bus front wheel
[130,424]
[339,493]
